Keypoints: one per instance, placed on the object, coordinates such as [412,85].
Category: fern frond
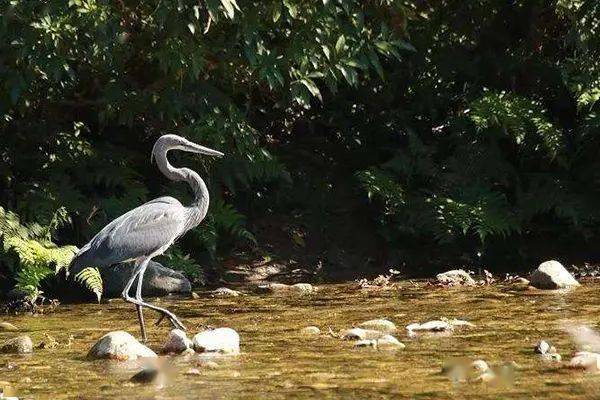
[92,280]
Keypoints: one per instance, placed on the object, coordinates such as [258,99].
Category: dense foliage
[367,133]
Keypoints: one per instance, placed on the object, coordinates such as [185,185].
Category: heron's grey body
[150,229]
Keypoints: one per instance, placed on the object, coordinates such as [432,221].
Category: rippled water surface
[277,362]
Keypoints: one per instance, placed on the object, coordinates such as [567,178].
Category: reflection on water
[278,362]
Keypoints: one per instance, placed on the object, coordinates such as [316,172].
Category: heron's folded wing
[143,231]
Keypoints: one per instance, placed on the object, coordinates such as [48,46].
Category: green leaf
[340,44]
[312,88]
[374,59]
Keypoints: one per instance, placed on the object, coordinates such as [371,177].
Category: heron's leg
[138,269]
[138,295]
[140,302]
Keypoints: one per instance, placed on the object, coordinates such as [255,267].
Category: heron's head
[175,142]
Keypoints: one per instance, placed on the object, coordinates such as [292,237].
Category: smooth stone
[219,340]
[456,277]
[585,360]
[158,280]
[282,288]
[310,330]
[552,275]
[18,345]
[7,326]
[146,375]
[361,334]
[431,326]
[225,292]
[119,345]
[382,325]
[177,342]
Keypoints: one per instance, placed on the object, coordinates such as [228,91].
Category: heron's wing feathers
[143,231]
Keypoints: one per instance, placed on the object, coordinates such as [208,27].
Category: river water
[278,362]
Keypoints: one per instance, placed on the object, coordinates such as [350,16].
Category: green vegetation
[389,133]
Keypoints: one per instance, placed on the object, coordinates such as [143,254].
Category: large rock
[119,345]
[18,345]
[177,342]
[552,275]
[456,277]
[158,280]
[220,340]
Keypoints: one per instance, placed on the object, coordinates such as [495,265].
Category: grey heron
[148,230]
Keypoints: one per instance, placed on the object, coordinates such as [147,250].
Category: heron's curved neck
[199,207]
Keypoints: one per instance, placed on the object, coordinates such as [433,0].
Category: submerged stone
[552,275]
[18,345]
[219,340]
[310,330]
[119,345]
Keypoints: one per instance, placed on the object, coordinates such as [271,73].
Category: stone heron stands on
[148,230]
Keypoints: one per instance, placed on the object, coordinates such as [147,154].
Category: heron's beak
[196,148]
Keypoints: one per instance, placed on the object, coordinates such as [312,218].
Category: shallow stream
[278,362]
